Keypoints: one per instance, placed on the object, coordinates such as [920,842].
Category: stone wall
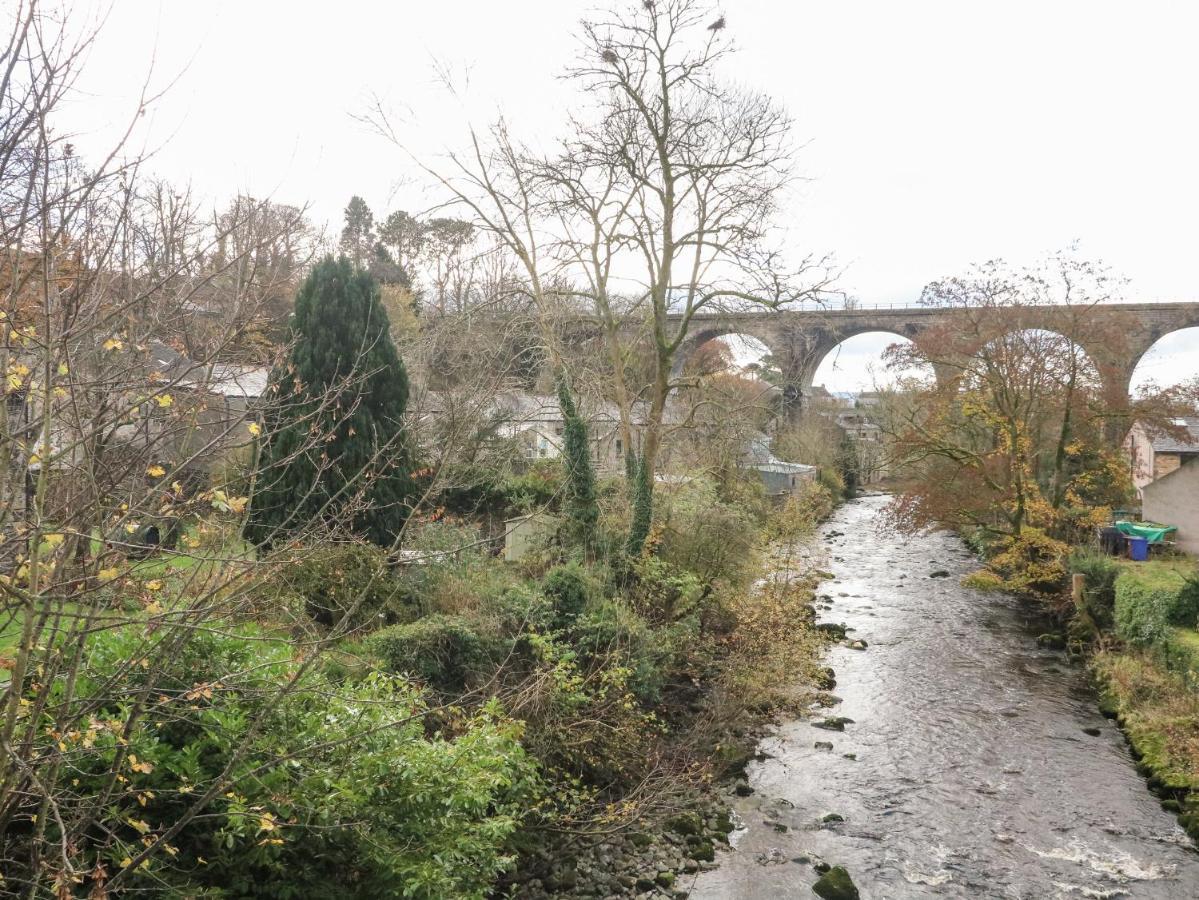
[1164,464]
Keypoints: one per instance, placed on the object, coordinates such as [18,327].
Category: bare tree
[667,184]
[116,433]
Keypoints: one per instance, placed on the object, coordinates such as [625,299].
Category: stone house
[779,478]
[536,423]
[1154,454]
[1173,499]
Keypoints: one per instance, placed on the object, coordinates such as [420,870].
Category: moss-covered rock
[685,823]
[835,884]
[701,849]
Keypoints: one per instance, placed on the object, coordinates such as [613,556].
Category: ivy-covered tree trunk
[334,450]
[643,505]
[582,506]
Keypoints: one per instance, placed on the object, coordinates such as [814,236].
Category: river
[978,769]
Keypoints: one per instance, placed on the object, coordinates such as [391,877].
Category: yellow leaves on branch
[17,373]
[139,826]
[254,428]
[221,501]
[156,471]
[114,343]
[165,401]
[107,574]
[140,765]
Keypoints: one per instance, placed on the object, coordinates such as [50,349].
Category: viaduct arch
[798,340]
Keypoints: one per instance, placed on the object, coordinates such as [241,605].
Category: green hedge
[443,651]
[569,588]
[350,586]
[1181,655]
[1150,604]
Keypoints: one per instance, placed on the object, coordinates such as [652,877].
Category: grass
[1163,572]
[1159,713]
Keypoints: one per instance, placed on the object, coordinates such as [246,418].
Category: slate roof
[227,379]
[759,456]
[1168,443]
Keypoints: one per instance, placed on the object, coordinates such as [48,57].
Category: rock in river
[834,723]
[835,884]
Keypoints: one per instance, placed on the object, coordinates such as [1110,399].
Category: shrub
[800,513]
[443,651]
[1181,655]
[1100,573]
[350,585]
[830,478]
[614,634]
[662,592]
[1031,563]
[561,703]
[519,609]
[1150,603]
[535,489]
[569,588]
[332,789]
[710,537]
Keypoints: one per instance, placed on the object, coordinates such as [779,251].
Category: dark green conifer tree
[334,448]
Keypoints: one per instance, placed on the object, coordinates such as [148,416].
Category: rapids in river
[976,765]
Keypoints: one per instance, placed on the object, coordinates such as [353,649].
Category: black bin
[1111,540]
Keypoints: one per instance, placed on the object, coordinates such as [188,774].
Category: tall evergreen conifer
[334,448]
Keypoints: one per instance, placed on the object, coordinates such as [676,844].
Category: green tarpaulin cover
[1151,531]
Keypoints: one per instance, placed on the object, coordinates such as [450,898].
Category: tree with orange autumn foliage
[1021,428]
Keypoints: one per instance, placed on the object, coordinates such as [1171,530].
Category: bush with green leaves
[540,486]
[445,652]
[561,701]
[1099,595]
[349,585]
[708,536]
[569,588]
[613,634]
[662,592]
[1151,603]
[519,609]
[320,791]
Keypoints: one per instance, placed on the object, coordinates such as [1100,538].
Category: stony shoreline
[661,859]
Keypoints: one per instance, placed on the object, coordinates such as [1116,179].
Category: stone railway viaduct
[799,340]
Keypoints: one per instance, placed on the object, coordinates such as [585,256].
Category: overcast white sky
[935,133]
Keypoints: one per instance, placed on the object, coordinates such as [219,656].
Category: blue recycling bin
[1138,549]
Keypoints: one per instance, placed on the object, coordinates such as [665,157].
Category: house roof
[227,379]
[759,456]
[1187,442]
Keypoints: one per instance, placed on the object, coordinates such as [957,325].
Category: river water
[973,775]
